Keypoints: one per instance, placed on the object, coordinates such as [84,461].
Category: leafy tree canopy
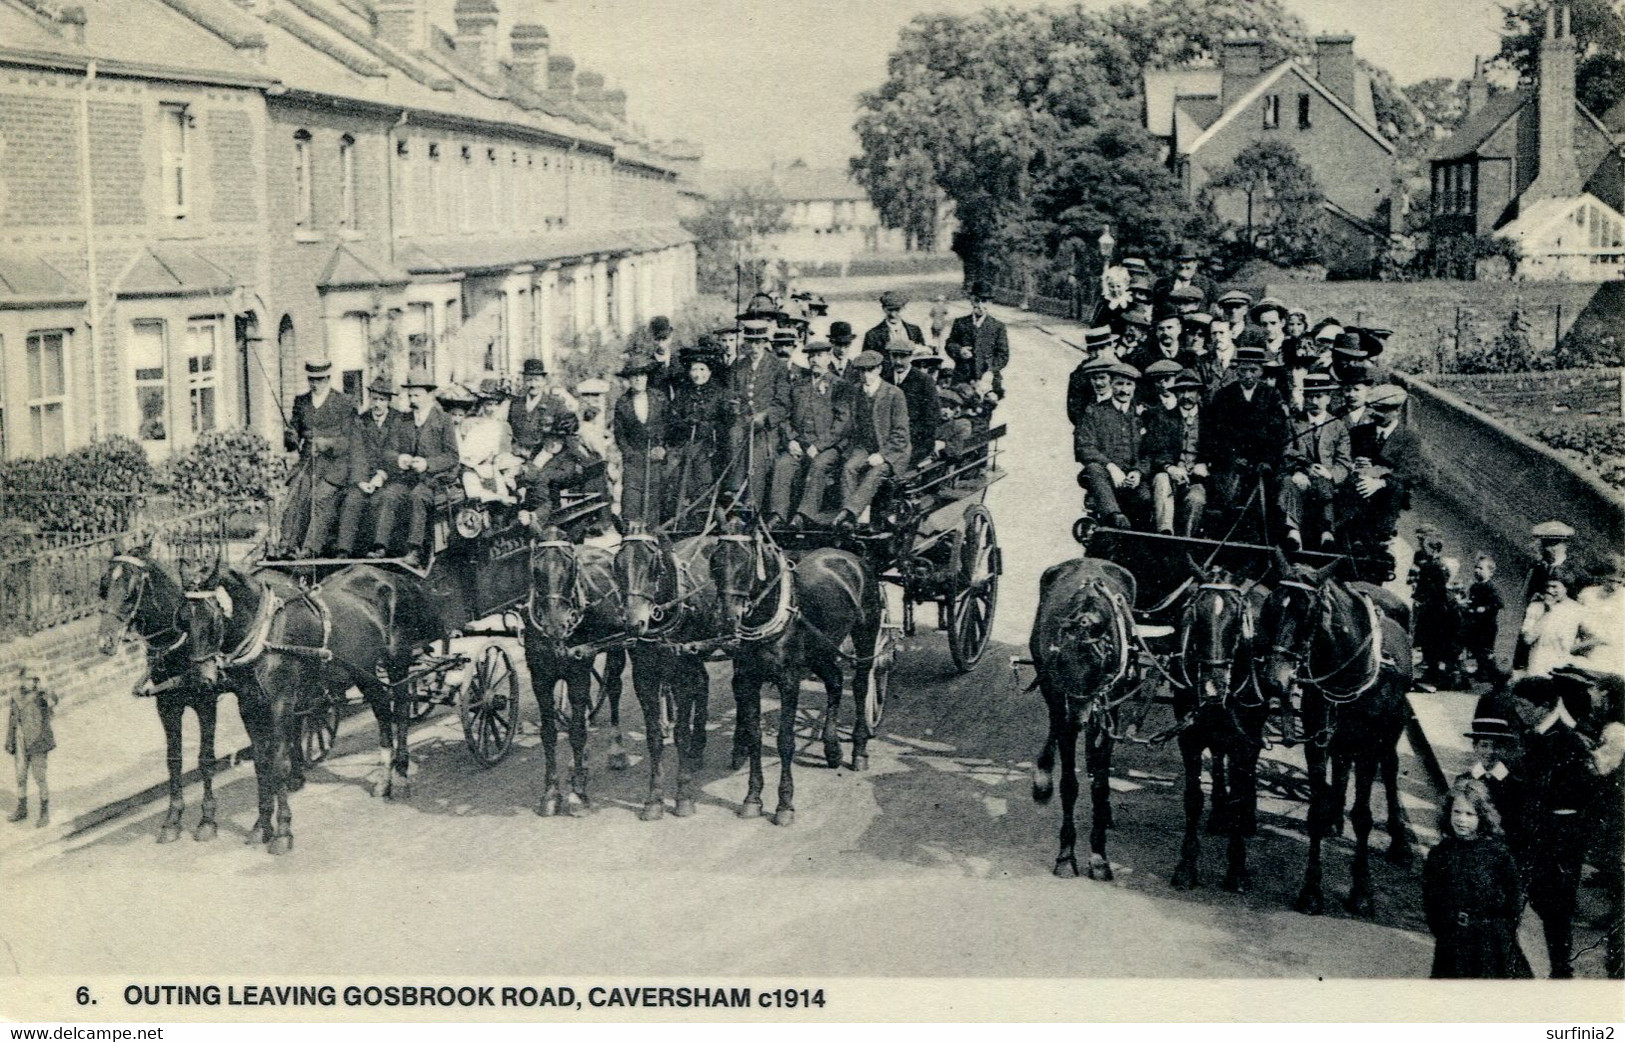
[1285,203]
[731,230]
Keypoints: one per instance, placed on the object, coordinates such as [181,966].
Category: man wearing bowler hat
[320,432]
[840,354]
[1248,418]
[761,389]
[423,457]
[1187,281]
[534,412]
[892,327]
[369,463]
[979,344]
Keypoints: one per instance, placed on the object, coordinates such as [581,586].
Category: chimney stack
[476,34]
[528,43]
[561,78]
[1559,176]
[1240,66]
[403,24]
[1478,89]
[615,103]
[1334,66]
[590,90]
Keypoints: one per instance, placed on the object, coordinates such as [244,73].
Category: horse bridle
[127,622]
[1120,613]
[1371,645]
[781,617]
[1231,594]
[572,600]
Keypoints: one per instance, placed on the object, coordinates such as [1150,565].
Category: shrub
[1601,445]
[234,466]
[94,490]
[1511,351]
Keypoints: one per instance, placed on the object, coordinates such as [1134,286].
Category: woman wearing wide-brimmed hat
[639,425]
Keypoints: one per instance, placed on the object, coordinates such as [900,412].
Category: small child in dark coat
[1481,619]
[29,739]
[1471,893]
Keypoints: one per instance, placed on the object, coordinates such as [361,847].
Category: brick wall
[230,140]
[119,143]
[39,161]
[69,664]
[1424,315]
[1507,481]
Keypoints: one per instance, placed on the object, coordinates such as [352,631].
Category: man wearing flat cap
[1083,389]
[1552,561]
[1318,460]
[319,431]
[979,344]
[423,459]
[879,446]
[1172,446]
[892,327]
[760,384]
[1388,464]
[1107,444]
[816,430]
[369,463]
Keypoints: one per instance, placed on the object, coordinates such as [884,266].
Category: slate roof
[25,278]
[1480,125]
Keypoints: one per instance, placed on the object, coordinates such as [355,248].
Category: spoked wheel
[319,726]
[488,704]
[883,657]
[970,617]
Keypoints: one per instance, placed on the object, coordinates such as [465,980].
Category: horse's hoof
[1100,869]
[654,810]
[549,805]
[860,761]
[380,787]
[619,760]
[169,833]
[784,817]
[1362,906]
[205,831]
[1185,877]
[750,809]
[684,808]
[575,805]
[280,845]
[1310,902]
[832,755]
[399,787]
[1399,854]
[1043,786]
[737,761]
[1238,882]
[258,834]
[296,782]
[1066,867]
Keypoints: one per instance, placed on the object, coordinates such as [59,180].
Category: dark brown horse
[276,644]
[1220,711]
[141,598]
[1347,647]
[573,614]
[779,620]
[1081,648]
[669,600]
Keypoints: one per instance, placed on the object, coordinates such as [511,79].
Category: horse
[1347,647]
[1218,707]
[783,619]
[140,597]
[668,599]
[1080,647]
[275,643]
[574,611]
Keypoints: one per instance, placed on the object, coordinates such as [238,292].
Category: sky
[759,82]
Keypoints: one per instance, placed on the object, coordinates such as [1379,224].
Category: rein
[1369,647]
[1223,589]
[126,623]
[254,642]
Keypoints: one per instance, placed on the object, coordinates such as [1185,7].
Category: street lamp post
[1107,244]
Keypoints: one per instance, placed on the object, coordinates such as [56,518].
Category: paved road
[936,862]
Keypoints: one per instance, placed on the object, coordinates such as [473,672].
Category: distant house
[1206,115]
[831,218]
[1534,165]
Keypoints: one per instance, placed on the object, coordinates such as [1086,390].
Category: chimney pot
[528,45]
[402,24]
[476,34]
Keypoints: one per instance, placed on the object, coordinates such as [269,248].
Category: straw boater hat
[1099,339]
[1553,531]
[1318,381]
[756,329]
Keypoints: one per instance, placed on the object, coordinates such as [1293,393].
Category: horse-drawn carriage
[1228,636]
[478,581]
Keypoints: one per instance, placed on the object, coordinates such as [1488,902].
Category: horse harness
[1370,648]
[146,688]
[1231,594]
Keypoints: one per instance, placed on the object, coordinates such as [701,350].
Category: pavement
[934,863]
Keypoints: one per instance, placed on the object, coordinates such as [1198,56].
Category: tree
[1599,30]
[1284,204]
[732,230]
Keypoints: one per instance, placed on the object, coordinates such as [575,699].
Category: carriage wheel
[488,704]
[319,727]
[883,657]
[970,619]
